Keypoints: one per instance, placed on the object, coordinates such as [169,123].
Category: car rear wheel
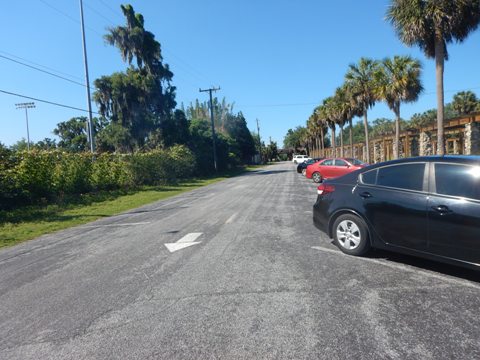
[351,235]
[304,171]
[317,177]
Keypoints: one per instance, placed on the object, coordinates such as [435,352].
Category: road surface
[234,270]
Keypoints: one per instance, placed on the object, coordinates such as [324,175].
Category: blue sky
[276,60]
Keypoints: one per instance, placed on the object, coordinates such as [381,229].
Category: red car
[332,168]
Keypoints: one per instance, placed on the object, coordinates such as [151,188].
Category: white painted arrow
[184,242]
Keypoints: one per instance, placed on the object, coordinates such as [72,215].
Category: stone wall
[425,143]
[472,139]
[377,152]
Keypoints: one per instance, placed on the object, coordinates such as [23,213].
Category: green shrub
[110,171]
[34,174]
[182,161]
[10,193]
[73,173]
[42,175]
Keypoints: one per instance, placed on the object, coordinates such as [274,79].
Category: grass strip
[27,223]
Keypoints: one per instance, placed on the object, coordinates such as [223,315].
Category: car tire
[317,177]
[304,171]
[351,235]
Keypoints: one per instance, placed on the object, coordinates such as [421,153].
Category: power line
[43,66]
[46,101]
[43,71]
[117,13]
[187,67]
[68,16]
[183,64]
[99,14]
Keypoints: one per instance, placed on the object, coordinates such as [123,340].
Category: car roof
[339,158]
[461,159]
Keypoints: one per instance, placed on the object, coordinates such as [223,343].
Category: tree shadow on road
[264,172]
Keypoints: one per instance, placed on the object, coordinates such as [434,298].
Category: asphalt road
[251,278]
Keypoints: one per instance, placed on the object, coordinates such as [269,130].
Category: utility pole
[213,125]
[87,81]
[259,142]
[29,105]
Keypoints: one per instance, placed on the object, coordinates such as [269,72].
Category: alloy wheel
[317,177]
[348,235]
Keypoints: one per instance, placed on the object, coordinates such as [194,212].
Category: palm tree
[311,134]
[431,25]
[399,81]
[340,112]
[465,102]
[321,125]
[327,112]
[134,41]
[360,80]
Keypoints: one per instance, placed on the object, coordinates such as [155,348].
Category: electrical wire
[117,13]
[46,101]
[43,71]
[69,17]
[99,14]
[43,66]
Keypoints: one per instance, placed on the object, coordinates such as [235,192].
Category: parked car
[299,158]
[425,206]
[332,167]
[302,167]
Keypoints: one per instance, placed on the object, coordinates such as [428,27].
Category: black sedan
[302,167]
[425,206]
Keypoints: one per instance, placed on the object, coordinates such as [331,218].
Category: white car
[298,159]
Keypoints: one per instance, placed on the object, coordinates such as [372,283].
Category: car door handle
[365,195]
[442,209]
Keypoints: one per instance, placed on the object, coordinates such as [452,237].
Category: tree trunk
[341,142]
[317,139]
[323,141]
[334,146]
[351,137]
[365,125]
[396,147]
[439,66]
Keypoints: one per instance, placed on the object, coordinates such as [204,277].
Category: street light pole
[87,83]
[29,105]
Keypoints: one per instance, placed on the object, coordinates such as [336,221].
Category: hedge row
[39,175]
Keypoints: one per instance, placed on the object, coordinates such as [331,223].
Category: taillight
[325,189]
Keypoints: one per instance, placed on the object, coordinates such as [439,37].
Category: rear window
[402,176]
[369,177]
[458,180]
